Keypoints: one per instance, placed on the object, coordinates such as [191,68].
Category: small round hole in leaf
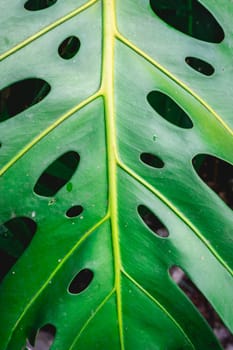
[69,47]
[200,66]
[151,160]
[167,108]
[74,211]
[152,221]
[81,281]
[36,5]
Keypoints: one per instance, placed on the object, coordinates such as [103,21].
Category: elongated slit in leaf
[57,174]
[152,222]
[151,160]
[37,5]
[81,281]
[21,95]
[200,66]
[167,108]
[74,211]
[200,302]
[217,174]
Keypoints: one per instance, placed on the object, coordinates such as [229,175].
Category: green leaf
[116,105]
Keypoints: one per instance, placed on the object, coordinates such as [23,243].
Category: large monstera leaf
[107,109]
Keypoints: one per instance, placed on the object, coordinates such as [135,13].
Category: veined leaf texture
[108,111]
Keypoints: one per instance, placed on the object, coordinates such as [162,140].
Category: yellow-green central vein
[109,32]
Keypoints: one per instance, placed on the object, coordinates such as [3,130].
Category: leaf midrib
[107,86]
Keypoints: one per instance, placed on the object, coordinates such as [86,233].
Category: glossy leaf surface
[131,205]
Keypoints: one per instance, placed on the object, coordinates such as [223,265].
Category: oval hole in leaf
[57,174]
[44,338]
[69,47]
[152,222]
[200,302]
[74,211]
[15,236]
[21,95]
[81,281]
[200,65]
[151,160]
[189,17]
[36,5]
[169,109]
[217,175]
